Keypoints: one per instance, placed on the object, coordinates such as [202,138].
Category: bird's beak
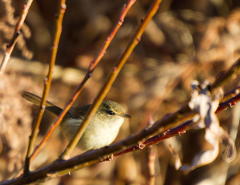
[125,115]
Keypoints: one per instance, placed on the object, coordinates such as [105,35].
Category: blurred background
[187,40]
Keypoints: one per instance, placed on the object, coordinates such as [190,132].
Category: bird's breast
[98,133]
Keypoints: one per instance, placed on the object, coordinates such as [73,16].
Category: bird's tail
[36,100]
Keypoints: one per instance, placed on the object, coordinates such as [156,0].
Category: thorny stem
[47,82]
[17,31]
[107,86]
[91,69]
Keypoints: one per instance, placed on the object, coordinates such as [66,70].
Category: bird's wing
[79,112]
[49,106]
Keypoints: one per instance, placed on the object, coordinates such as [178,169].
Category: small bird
[102,129]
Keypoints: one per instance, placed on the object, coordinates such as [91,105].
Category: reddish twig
[231,93]
[229,103]
[95,156]
[158,138]
[17,31]
[107,86]
[124,11]
[91,69]
[179,129]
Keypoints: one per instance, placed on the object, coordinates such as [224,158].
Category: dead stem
[13,41]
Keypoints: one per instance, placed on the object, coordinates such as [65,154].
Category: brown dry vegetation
[186,40]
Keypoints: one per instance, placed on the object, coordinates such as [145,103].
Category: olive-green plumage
[102,129]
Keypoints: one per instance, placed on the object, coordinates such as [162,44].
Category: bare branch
[62,167]
[107,86]
[91,69]
[47,81]
[13,41]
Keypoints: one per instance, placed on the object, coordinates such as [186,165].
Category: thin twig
[183,114]
[151,159]
[91,69]
[223,78]
[152,155]
[47,82]
[62,167]
[124,11]
[96,156]
[231,93]
[229,103]
[182,128]
[17,31]
[107,86]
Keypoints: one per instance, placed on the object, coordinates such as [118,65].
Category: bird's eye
[110,112]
